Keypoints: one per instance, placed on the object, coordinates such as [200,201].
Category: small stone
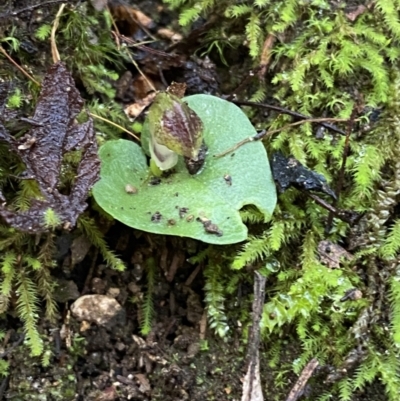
[98,286]
[99,309]
[113,292]
[66,291]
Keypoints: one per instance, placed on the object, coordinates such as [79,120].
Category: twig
[19,67]
[115,125]
[286,111]
[15,345]
[193,275]
[305,375]
[30,8]
[251,386]
[257,308]
[128,53]
[118,36]
[264,133]
[344,215]
[86,287]
[340,180]
[54,51]
[3,386]
[266,54]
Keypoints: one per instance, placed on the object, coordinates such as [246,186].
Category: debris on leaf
[130,189]
[156,217]
[331,254]
[210,227]
[183,211]
[228,179]
[195,165]
[289,172]
[155,181]
[42,149]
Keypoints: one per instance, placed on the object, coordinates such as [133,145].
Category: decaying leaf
[288,171]
[135,109]
[54,132]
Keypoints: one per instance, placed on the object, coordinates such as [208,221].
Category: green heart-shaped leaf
[204,206]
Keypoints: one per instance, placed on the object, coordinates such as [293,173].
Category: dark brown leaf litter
[288,171]
[54,132]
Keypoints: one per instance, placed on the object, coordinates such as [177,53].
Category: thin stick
[287,111]
[115,125]
[54,51]
[30,8]
[305,375]
[343,215]
[19,67]
[243,84]
[140,71]
[251,384]
[340,181]
[264,133]
[128,53]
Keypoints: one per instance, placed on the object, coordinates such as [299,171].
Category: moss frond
[214,299]
[255,249]
[147,307]
[28,311]
[92,232]
[43,32]
[391,245]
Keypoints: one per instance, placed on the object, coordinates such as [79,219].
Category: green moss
[325,63]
